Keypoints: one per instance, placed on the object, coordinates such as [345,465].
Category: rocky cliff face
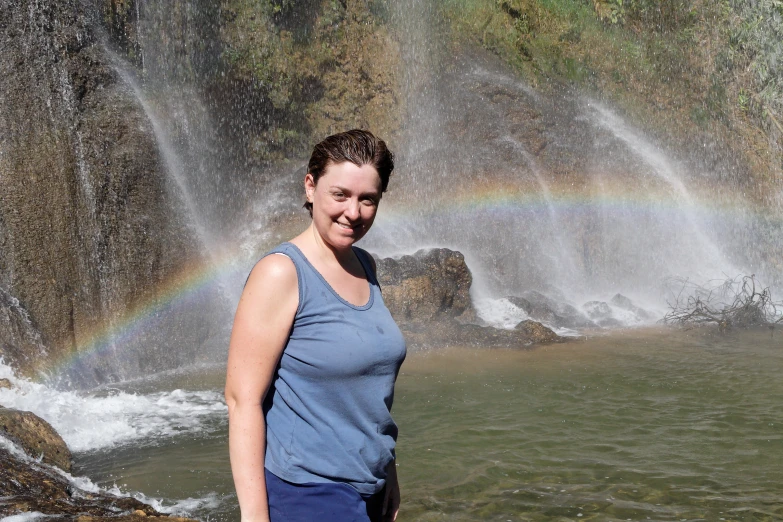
[87,225]
[277,77]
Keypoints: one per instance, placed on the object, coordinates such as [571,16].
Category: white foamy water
[25,517]
[184,508]
[500,313]
[89,422]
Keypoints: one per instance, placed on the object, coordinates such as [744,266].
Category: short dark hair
[356,146]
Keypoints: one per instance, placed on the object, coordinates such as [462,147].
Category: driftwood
[733,303]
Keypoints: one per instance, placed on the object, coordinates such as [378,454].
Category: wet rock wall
[87,223]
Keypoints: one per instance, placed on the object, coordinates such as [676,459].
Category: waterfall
[714,262]
[175,167]
[539,188]
[546,192]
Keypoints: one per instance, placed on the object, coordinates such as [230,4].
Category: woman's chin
[340,241]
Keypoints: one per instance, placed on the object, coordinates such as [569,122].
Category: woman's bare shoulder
[273,273]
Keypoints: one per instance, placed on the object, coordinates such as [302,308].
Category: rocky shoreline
[428,293]
[34,477]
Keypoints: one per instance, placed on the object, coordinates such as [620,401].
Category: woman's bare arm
[261,326]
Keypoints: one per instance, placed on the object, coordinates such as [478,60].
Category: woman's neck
[327,253]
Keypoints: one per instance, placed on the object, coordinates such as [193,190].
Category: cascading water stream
[584,217]
[174,164]
[663,167]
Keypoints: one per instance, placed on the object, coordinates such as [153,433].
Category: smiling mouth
[349,227]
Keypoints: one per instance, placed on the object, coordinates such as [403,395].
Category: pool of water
[636,425]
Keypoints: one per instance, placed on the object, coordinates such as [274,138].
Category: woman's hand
[391,501]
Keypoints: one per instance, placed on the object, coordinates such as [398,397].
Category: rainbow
[176,292]
[496,196]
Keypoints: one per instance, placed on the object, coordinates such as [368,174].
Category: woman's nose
[352,210]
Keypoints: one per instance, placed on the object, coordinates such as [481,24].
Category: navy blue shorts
[321,502]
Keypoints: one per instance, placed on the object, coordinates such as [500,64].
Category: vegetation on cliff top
[320,67]
[682,68]
[292,71]
[276,73]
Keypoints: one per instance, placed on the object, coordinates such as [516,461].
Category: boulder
[620,301]
[450,332]
[5,384]
[35,436]
[597,310]
[537,332]
[558,314]
[601,313]
[429,285]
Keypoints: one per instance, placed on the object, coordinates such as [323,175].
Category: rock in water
[437,334]
[620,301]
[428,294]
[537,332]
[601,313]
[29,487]
[543,308]
[35,436]
[597,310]
[429,285]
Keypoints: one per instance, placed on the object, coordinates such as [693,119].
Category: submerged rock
[35,436]
[437,334]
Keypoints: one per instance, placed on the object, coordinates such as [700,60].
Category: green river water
[636,425]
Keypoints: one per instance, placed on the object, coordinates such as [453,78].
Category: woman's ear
[309,183]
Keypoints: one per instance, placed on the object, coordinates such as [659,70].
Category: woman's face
[345,200]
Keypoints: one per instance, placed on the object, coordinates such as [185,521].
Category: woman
[314,354]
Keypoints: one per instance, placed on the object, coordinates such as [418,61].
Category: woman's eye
[338,195]
[370,202]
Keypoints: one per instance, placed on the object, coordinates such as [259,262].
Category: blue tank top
[328,410]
